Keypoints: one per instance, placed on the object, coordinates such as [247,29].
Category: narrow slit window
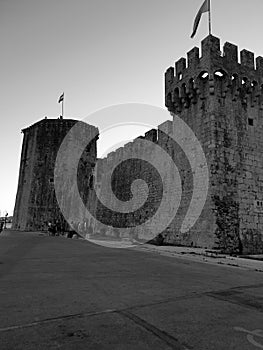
[250,121]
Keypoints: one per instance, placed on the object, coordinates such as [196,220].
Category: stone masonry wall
[36,202]
[132,167]
[221,99]
[160,179]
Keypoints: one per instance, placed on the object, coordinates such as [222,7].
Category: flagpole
[62,105]
[209,16]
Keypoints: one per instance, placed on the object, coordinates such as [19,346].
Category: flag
[204,8]
[61,98]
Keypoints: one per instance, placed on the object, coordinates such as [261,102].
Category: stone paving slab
[101,331]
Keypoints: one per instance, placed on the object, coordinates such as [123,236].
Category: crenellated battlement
[215,72]
[218,93]
[130,148]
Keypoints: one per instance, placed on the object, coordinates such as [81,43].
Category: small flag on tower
[61,99]
[204,8]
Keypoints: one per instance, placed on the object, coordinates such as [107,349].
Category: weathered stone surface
[224,108]
[36,202]
[225,111]
[221,100]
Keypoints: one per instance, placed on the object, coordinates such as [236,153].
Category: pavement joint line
[164,336]
[238,298]
[249,286]
[192,296]
[90,314]
[55,319]
[213,294]
[168,300]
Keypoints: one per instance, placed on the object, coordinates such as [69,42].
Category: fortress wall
[143,159]
[36,202]
[220,97]
[224,109]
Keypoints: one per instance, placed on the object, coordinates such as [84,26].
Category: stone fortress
[36,202]
[221,99]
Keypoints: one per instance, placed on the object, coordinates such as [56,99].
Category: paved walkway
[59,293]
[252,262]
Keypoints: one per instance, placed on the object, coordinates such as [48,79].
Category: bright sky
[100,52]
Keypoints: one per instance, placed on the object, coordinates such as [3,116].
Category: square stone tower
[221,99]
[36,202]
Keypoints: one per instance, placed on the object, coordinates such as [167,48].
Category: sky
[100,53]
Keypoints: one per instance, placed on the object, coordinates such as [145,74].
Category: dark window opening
[91,182]
[191,84]
[51,180]
[220,73]
[250,121]
[204,75]
[244,81]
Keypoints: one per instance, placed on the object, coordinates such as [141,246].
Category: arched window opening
[91,181]
[204,75]
[220,74]
[169,100]
[169,97]
[234,81]
[176,94]
[244,81]
[184,89]
[191,84]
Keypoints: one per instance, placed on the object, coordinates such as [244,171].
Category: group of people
[56,229]
[52,229]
